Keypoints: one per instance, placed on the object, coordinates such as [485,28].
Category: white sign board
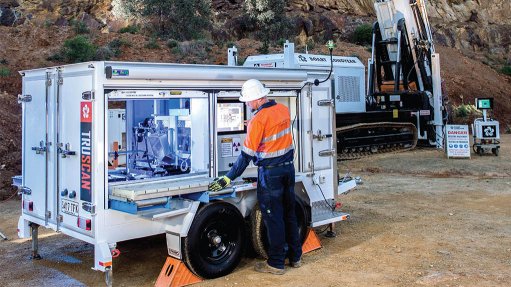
[458,141]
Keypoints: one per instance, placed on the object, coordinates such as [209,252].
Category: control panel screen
[483,104]
[230,117]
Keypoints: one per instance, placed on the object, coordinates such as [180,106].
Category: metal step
[177,207]
[322,213]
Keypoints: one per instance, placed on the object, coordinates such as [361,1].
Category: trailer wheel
[258,229]
[214,244]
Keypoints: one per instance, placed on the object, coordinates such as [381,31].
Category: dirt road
[419,219]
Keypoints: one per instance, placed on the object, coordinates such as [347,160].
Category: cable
[330,49]
[12,195]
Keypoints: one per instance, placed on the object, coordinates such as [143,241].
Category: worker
[269,144]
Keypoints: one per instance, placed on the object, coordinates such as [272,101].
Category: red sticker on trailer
[86,151]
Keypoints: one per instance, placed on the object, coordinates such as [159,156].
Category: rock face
[471,26]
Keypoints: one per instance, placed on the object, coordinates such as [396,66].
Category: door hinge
[24,190]
[48,214]
[60,218]
[88,95]
[40,149]
[326,103]
[24,99]
[327,152]
[48,82]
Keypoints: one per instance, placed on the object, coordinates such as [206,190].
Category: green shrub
[179,19]
[116,46]
[506,70]
[104,54]
[78,49]
[197,48]
[80,27]
[311,44]
[264,49]
[363,34]
[152,43]
[132,29]
[5,72]
[268,17]
[463,111]
[171,43]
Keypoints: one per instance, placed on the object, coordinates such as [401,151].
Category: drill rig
[404,101]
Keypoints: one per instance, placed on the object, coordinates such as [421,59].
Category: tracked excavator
[402,102]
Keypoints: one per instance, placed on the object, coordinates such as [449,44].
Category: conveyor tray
[160,188]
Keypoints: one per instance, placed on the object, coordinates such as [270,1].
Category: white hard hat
[253,90]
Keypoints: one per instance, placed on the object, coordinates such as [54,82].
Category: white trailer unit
[184,125]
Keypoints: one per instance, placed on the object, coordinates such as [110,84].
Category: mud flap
[175,274]
[311,242]
[23,228]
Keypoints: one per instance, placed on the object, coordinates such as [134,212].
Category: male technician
[269,144]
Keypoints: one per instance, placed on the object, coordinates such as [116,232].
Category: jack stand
[109,279]
[3,236]
[330,233]
[35,241]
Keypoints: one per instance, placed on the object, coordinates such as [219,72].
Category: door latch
[327,152]
[319,136]
[326,103]
[40,149]
[24,99]
[24,190]
[89,207]
[65,152]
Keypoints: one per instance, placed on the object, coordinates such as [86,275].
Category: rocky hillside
[473,39]
[479,29]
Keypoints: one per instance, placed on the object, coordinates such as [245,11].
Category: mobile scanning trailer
[183,127]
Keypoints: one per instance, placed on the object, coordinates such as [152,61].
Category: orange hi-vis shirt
[269,133]
[269,140]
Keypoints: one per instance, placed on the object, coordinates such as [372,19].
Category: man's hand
[219,183]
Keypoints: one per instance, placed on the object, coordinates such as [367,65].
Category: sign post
[458,141]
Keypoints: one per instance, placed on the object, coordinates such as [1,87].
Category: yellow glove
[219,183]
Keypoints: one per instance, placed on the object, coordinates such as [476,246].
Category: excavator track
[365,139]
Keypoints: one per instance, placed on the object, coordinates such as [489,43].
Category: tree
[270,19]
[178,19]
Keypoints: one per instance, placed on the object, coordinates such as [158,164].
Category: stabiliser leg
[330,232]
[35,241]
[109,279]
[3,236]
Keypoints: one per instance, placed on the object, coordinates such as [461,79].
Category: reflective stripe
[277,136]
[248,151]
[281,152]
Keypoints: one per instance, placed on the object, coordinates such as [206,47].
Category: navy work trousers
[276,196]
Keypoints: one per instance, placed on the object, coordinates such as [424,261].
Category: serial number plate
[69,207]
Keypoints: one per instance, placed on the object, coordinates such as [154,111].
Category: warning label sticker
[226,147]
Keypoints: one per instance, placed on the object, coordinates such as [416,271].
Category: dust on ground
[418,219]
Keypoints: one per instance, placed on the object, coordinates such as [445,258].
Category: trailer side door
[35,104]
[74,147]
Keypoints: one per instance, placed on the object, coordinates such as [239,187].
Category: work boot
[263,267]
[296,264]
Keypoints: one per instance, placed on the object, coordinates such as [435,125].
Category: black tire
[479,151]
[495,151]
[258,234]
[207,259]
